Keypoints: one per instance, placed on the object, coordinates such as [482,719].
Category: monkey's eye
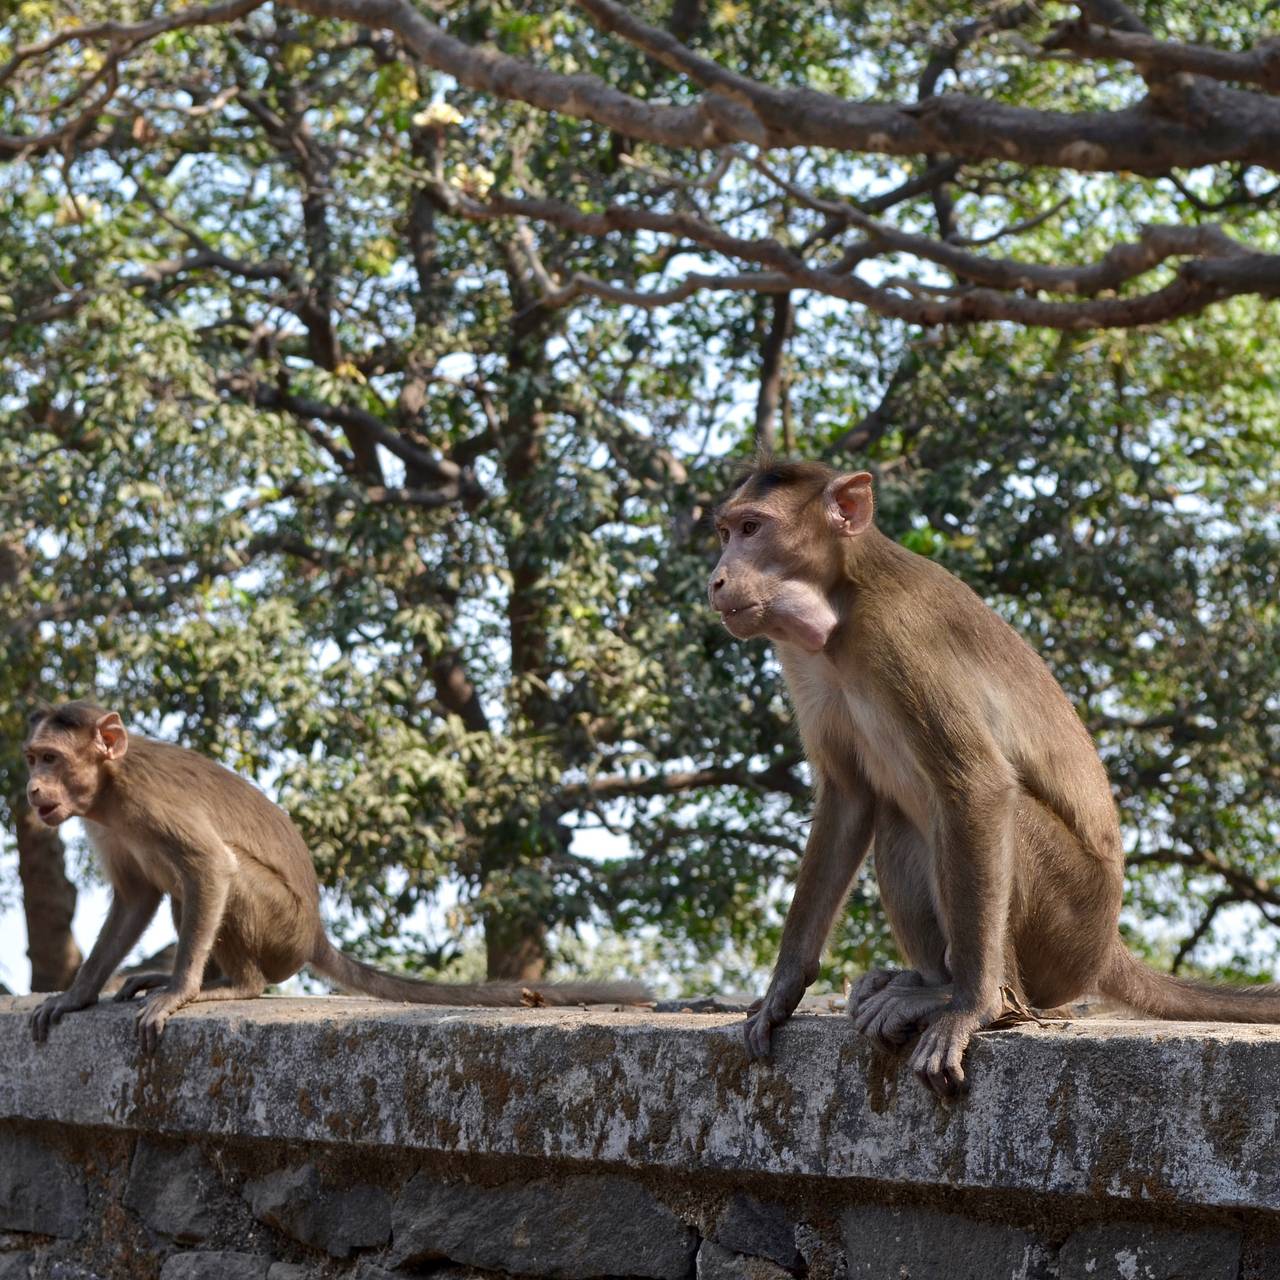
[749,527]
[723,534]
[49,758]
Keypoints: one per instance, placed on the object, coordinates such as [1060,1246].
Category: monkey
[165,820]
[937,734]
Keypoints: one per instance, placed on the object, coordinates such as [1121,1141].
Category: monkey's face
[773,578]
[65,775]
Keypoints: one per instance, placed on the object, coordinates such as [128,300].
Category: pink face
[775,572]
[66,768]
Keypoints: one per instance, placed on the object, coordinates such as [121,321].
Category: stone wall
[283,1139]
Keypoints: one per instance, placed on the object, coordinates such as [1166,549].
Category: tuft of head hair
[68,717]
[767,474]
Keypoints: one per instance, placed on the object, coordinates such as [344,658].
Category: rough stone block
[16,1266]
[762,1228]
[213,1265]
[292,1271]
[336,1220]
[581,1227]
[1261,1257]
[173,1192]
[920,1244]
[1132,1251]
[715,1263]
[39,1191]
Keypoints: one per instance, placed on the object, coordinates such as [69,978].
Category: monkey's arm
[132,908]
[838,839]
[205,869]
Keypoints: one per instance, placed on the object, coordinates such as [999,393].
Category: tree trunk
[49,901]
[772,374]
[515,949]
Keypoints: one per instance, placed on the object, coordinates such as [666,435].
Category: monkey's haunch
[354,975]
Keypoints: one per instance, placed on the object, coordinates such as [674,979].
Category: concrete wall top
[1175,1113]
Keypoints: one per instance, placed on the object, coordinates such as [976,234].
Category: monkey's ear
[850,506]
[110,737]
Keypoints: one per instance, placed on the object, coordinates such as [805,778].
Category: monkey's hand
[938,1056]
[50,1011]
[771,1011]
[156,1010]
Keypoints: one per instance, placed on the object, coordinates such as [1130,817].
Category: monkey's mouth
[743,621]
[49,814]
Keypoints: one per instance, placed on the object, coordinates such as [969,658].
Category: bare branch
[1249,888]
[1218,267]
[1259,65]
[709,124]
[449,476]
[1193,939]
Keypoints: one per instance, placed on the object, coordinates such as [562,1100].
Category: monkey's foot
[141,982]
[938,1056]
[156,1010]
[871,982]
[900,1010]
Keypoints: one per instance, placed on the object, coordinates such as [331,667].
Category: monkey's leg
[243,981]
[838,840]
[887,1004]
[204,901]
[974,847]
[904,875]
[127,919]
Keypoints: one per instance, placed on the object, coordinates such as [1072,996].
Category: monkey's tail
[353,975]
[1129,981]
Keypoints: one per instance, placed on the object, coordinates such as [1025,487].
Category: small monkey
[933,729]
[165,820]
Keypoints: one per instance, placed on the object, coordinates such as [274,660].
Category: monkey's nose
[712,587]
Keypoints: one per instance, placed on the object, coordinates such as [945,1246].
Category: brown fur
[933,729]
[168,821]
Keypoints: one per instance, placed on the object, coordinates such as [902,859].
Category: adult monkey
[932,727]
[165,820]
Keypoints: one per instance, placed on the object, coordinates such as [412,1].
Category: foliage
[305,465]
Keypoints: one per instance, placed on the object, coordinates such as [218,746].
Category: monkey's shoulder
[925,613]
[175,793]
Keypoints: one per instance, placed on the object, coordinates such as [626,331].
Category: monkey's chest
[882,748]
[848,726]
[132,860]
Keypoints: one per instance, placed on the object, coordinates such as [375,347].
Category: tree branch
[1259,65]
[1218,267]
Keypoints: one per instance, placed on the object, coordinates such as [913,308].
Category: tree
[362,420]
[1044,95]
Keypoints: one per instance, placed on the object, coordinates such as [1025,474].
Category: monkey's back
[190,786]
